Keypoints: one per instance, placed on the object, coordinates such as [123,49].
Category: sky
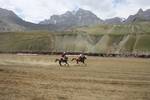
[38,10]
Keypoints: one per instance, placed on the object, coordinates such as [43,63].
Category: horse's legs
[84,63]
[66,63]
[77,61]
[60,63]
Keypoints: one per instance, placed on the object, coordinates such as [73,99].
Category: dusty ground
[40,78]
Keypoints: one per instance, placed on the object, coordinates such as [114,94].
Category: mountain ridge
[80,17]
[9,21]
[57,19]
[139,16]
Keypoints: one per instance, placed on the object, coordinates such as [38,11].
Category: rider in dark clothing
[81,56]
[63,56]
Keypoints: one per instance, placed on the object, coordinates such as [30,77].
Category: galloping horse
[61,60]
[79,59]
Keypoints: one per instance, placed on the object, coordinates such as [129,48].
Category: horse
[61,60]
[79,59]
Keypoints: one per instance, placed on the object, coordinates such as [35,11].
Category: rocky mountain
[80,17]
[83,17]
[139,16]
[115,20]
[9,21]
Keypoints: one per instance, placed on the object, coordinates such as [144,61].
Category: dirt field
[38,77]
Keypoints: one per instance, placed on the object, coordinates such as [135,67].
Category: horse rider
[63,56]
[81,56]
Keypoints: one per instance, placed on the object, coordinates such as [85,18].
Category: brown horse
[61,60]
[79,59]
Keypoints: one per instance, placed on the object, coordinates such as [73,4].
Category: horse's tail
[73,59]
[56,60]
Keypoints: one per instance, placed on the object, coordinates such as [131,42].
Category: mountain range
[76,31]
[140,16]
[9,21]
[80,17]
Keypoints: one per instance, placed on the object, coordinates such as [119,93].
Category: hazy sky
[37,10]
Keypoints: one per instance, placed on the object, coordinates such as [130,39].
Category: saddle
[80,58]
[64,58]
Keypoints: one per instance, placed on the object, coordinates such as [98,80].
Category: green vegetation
[134,28]
[128,46]
[25,42]
[92,39]
[143,43]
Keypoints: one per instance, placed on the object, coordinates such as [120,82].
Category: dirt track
[40,78]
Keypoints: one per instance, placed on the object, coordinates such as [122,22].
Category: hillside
[25,42]
[17,35]
[133,28]
[10,22]
[131,38]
